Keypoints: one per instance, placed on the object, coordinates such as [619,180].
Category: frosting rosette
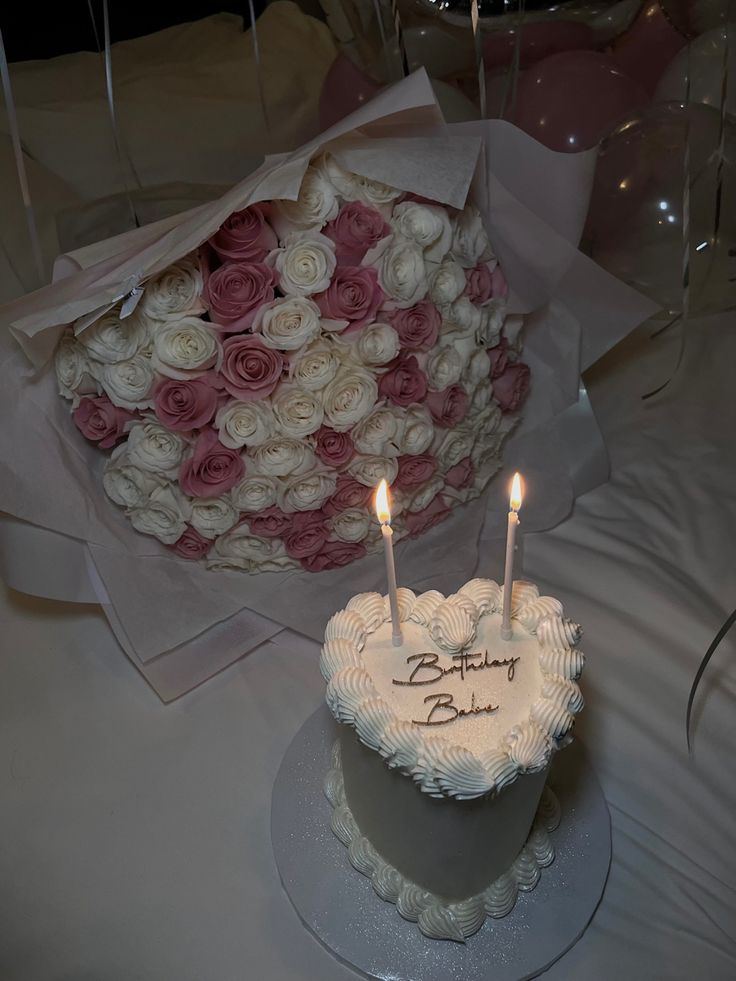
[306,349]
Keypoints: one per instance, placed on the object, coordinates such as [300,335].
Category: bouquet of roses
[265,383]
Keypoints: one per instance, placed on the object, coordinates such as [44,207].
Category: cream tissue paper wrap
[179,623]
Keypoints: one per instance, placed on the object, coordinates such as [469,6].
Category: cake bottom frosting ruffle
[436,918]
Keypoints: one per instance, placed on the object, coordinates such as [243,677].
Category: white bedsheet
[135,837]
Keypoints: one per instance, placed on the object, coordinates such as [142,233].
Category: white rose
[314,366]
[213,516]
[184,347]
[446,282]
[512,326]
[427,225]
[376,193]
[128,383]
[477,367]
[349,397]
[377,344]
[426,493]
[305,264]
[351,526]
[401,272]
[455,446]
[316,204]
[156,449]
[126,484]
[111,339]
[480,396]
[369,470]
[444,368]
[245,423]
[289,323]
[73,370]
[255,493]
[344,182]
[282,456]
[164,515]
[492,320]
[486,461]
[418,430]
[469,240]
[240,545]
[462,317]
[298,411]
[307,492]
[488,421]
[175,291]
[376,434]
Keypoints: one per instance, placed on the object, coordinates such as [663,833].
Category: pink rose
[348,494]
[191,545]
[100,421]
[270,523]
[417,326]
[212,469]
[415,470]
[250,370]
[448,407]
[499,355]
[479,280]
[185,404]
[417,522]
[333,448]
[405,384]
[334,555]
[356,229]
[353,294]
[461,475]
[499,286]
[307,536]
[512,387]
[245,236]
[234,293]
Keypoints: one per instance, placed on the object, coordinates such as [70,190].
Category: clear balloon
[635,227]
[704,60]
[648,46]
[572,100]
[694,17]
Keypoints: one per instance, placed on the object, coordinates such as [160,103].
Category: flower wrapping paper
[576,313]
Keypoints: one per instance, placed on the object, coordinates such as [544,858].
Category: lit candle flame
[383,511]
[515,499]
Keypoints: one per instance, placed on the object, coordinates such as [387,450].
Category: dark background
[42,29]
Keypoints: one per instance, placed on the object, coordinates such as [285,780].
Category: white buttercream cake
[438,776]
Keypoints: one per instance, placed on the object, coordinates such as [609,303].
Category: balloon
[571,100]
[649,45]
[634,227]
[613,21]
[694,17]
[538,40]
[345,88]
[705,57]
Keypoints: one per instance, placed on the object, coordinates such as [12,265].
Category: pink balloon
[649,45]
[538,41]
[345,88]
[572,100]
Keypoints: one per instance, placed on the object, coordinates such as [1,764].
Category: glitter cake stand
[338,904]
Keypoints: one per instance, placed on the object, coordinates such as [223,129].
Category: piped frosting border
[438,919]
[440,767]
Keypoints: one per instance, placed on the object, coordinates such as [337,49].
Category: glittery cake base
[342,910]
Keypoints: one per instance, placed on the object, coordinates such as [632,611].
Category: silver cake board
[338,905]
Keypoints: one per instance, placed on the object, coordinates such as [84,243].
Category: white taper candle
[384,516]
[508,575]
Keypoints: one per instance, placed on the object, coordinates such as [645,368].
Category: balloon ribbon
[701,670]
